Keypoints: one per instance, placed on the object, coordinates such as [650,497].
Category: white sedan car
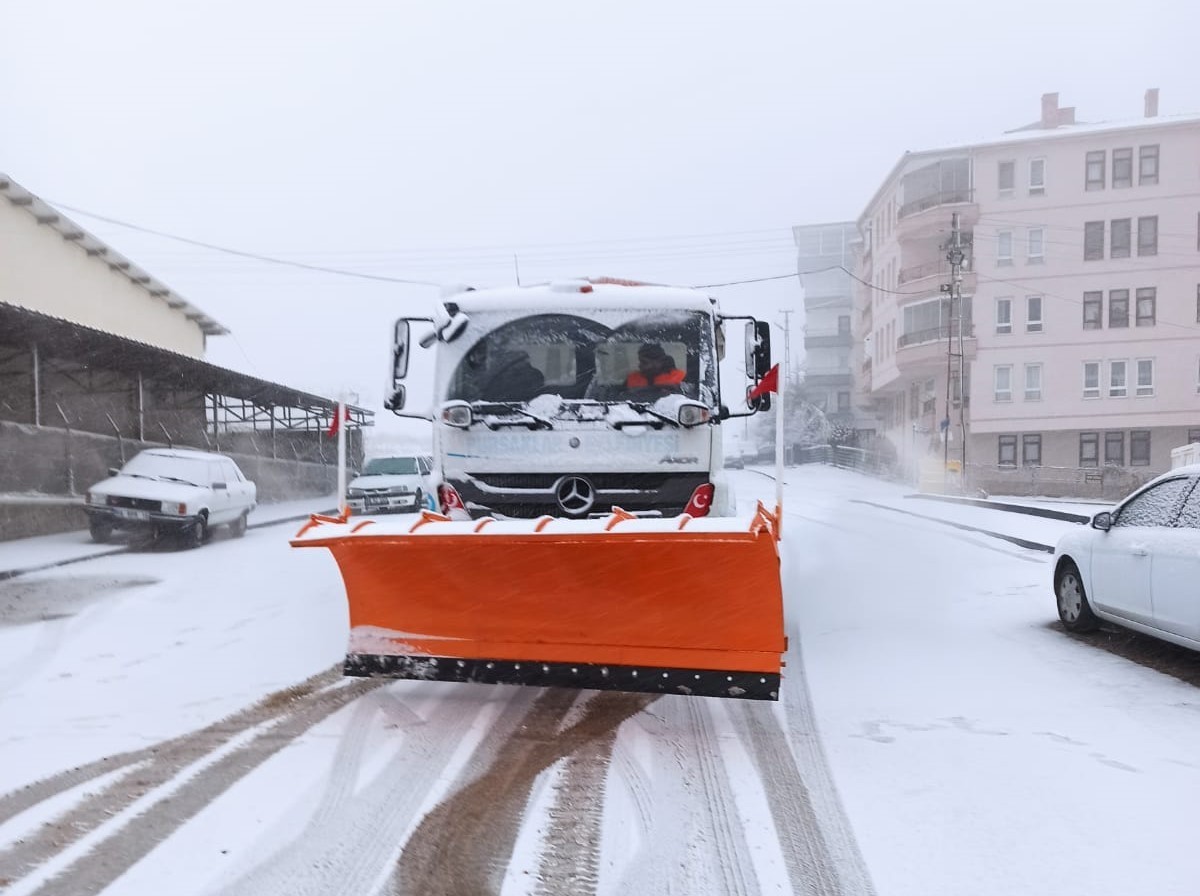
[1137,565]
[392,484]
[172,491]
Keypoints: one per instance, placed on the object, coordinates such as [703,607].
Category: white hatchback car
[172,491]
[391,484]
[1137,565]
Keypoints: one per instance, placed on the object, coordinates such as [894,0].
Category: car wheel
[196,533]
[1073,607]
[419,503]
[101,531]
[238,527]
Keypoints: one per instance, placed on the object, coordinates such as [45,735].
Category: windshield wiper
[642,408]
[531,421]
[177,479]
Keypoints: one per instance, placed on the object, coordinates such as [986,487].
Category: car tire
[238,527]
[196,533]
[1073,607]
[419,503]
[101,531]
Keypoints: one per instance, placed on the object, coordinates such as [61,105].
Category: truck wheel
[101,531]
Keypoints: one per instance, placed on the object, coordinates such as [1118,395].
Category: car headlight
[172,507]
[93,498]
[354,493]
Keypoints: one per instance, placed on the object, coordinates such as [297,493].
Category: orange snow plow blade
[682,605]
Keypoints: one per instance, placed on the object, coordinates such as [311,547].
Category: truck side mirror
[400,341]
[395,400]
[758,349]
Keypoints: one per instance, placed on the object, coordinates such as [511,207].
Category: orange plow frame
[673,605]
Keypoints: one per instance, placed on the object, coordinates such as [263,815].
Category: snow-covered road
[174,722]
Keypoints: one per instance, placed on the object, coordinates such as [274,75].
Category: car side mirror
[220,486]
[113,471]
[1102,521]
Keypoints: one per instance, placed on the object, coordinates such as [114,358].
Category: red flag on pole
[769,383]
[337,421]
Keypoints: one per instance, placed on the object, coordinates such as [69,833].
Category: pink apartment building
[1080,311]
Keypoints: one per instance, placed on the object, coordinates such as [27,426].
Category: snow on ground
[975,746]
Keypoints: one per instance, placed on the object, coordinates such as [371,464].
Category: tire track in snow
[464,845]
[144,770]
[356,834]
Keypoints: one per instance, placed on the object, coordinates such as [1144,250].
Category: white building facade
[1080,311]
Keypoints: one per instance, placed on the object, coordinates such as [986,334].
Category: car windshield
[162,466]
[390,466]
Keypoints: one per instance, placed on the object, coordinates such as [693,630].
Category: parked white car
[389,484]
[1137,565]
[172,491]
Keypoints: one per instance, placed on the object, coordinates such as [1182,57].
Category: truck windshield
[602,359]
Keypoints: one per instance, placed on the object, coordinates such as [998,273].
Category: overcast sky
[460,142]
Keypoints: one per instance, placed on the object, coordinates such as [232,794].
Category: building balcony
[923,353]
[922,280]
[828,339]
[930,215]
[828,377]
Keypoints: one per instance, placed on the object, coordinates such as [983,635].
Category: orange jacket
[637,380]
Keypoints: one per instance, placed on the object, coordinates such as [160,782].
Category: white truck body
[534,412]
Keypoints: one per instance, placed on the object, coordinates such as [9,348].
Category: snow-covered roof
[47,215]
[562,295]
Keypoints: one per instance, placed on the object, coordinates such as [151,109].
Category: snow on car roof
[184,452]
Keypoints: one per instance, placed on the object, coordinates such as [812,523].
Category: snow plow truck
[586,535]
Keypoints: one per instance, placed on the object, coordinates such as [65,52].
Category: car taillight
[701,501]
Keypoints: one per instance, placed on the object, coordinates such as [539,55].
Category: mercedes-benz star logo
[575,495]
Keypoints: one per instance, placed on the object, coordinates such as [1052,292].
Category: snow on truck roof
[563,295]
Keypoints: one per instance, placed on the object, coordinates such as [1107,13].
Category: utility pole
[954,359]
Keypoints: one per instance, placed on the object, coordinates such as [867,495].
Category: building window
[1147,165]
[1004,313]
[1091,379]
[1037,177]
[843,402]
[1119,236]
[1118,308]
[1036,246]
[1093,309]
[1122,161]
[1147,300]
[1033,314]
[1193,436]
[1145,377]
[1033,382]
[1008,451]
[843,325]
[1004,247]
[1116,379]
[1089,449]
[1007,175]
[1139,448]
[1148,235]
[1094,175]
[1031,450]
[1093,240]
[1003,383]
[1114,448]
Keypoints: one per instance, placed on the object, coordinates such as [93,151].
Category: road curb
[1012,539]
[1010,508]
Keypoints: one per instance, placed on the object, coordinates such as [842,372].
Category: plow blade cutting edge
[682,605]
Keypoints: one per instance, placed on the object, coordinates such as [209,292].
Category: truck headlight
[456,413]
[693,414]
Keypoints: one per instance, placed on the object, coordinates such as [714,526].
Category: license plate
[127,514]
[377,502]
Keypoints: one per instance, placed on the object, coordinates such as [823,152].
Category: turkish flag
[337,421]
[701,500]
[769,383]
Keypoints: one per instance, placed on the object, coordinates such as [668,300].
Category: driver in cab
[655,369]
